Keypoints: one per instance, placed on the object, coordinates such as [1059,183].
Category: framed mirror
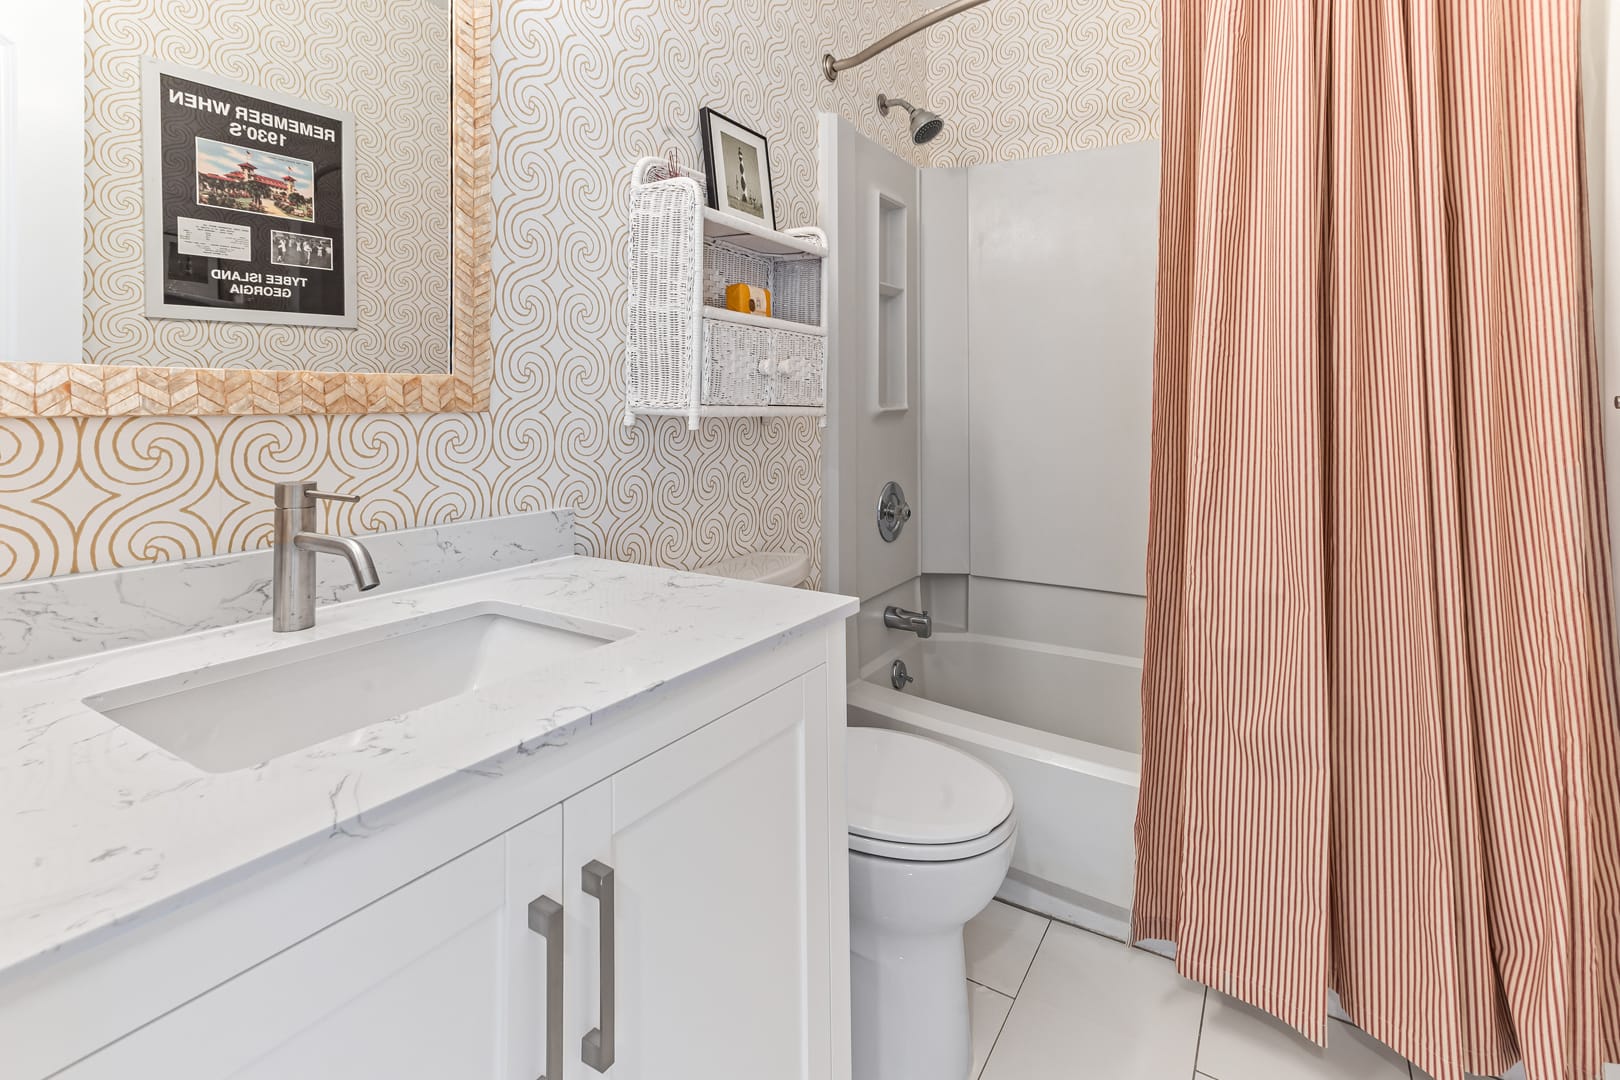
[285,211]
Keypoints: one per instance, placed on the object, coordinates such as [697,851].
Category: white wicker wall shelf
[744,318]
[752,236]
[686,353]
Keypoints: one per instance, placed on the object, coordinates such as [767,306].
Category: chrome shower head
[924,125]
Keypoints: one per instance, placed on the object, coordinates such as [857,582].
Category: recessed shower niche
[890,350]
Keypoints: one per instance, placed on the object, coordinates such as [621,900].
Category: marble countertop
[98,825]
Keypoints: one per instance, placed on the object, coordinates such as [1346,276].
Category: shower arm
[831,65]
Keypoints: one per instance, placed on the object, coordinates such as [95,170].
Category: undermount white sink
[237,714]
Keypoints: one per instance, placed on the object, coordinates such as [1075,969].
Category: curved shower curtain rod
[831,65]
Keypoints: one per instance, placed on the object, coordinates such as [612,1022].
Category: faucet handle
[301,494]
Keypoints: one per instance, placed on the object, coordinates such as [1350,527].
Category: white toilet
[931,833]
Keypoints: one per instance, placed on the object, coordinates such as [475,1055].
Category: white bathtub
[1064,727]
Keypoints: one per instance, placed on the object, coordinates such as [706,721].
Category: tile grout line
[995,1042]
[1029,966]
[1198,1043]
[993,990]
[990,1053]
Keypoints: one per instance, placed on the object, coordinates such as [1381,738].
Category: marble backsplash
[58,618]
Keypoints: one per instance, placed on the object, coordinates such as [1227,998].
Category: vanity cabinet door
[410,986]
[536,1041]
[712,855]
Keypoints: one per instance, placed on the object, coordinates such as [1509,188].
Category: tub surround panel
[870,638]
[1050,399]
[81,614]
[947,461]
[1061,393]
[99,826]
[946,598]
[871,209]
[1078,618]
[1023,610]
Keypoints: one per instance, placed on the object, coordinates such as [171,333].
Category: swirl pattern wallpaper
[1028,78]
[583,88]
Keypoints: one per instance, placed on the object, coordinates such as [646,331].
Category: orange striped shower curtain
[1380,722]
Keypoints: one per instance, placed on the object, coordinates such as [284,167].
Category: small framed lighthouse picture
[249,202]
[738,161]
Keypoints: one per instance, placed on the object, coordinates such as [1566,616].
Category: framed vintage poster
[249,202]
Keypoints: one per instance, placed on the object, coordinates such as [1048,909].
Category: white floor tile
[1515,1073]
[988,1011]
[1240,1043]
[1610,1072]
[1001,941]
[1092,1007]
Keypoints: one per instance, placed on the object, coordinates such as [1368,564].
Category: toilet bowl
[931,834]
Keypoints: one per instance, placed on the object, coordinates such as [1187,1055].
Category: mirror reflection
[258,185]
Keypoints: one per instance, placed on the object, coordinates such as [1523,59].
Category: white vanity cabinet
[681,917]
[408,987]
[720,911]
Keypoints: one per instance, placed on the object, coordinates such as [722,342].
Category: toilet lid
[911,790]
[921,853]
[771,567]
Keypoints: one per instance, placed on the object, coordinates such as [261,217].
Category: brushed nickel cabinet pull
[546,919]
[597,1046]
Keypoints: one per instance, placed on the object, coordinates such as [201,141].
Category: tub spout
[918,622]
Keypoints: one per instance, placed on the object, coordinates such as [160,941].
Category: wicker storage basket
[736,364]
[665,223]
[798,369]
[683,355]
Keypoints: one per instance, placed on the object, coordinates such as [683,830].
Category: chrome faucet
[918,622]
[297,544]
